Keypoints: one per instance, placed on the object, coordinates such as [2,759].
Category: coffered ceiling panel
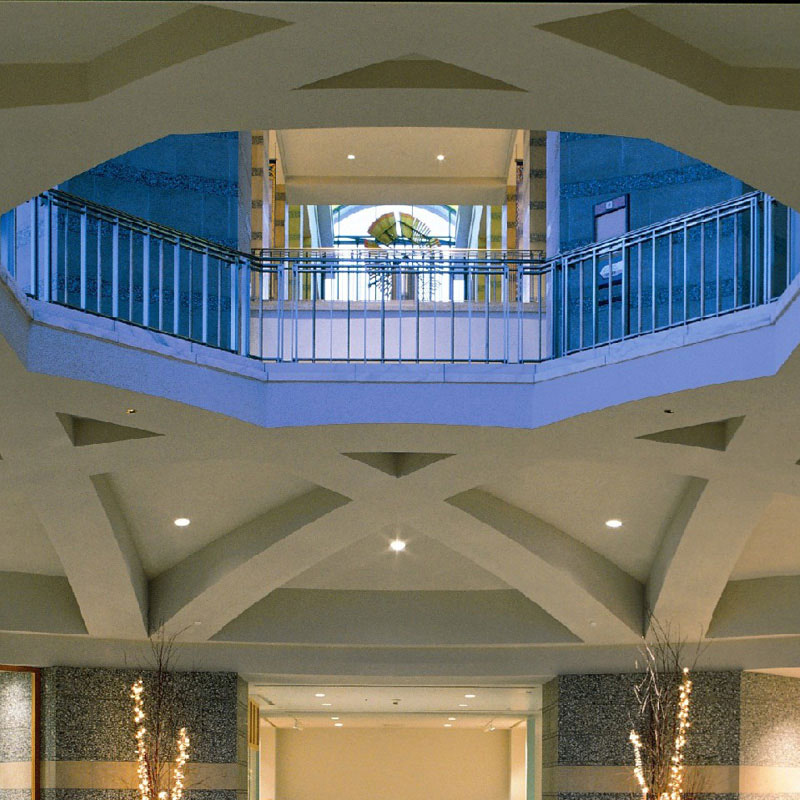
[216,495]
[579,498]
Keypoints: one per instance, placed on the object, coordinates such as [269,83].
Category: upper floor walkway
[413,305]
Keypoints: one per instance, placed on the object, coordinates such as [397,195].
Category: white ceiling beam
[699,551]
[89,533]
[207,590]
[583,590]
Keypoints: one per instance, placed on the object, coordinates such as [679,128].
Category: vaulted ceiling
[83,82]
[510,573]
[286,569]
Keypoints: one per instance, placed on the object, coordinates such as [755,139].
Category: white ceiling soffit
[395,165]
[480,722]
[311,700]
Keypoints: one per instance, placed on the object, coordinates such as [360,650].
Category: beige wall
[395,764]
[518,789]
[266,767]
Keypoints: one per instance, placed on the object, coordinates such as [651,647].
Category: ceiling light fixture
[334,717]
[448,725]
[338,724]
[398,545]
[327,704]
[440,157]
[452,719]
[613,523]
[320,694]
[182,522]
[463,705]
[469,696]
[351,157]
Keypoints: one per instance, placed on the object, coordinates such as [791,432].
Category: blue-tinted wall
[188,182]
[661,182]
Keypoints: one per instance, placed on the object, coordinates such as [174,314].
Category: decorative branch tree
[162,748]
[659,732]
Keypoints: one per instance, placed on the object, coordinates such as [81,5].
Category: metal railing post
[45,278]
[244,307]
[34,243]
[768,246]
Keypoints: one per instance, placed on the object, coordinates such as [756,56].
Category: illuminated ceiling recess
[396,165]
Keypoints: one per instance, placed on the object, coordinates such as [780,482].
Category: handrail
[656,227]
[405,304]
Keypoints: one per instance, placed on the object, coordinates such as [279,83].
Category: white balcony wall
[330,331]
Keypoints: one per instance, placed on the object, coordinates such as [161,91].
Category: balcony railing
[402,305]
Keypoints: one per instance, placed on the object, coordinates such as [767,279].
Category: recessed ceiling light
[351,157]
[440,157]
[452,719]
[469,696]
[182,522]
[613,523]
[320,694]
[448,725]
[334,717]
[463,705]
[398,545]
[338,724]
[327,704]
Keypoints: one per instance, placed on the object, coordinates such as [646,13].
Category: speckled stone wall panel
[16,691]
[129,794]
[241,738]
[595,714]
[661,182]
[189,182]
[15,716]
[586,720]
[86,714]
[770,720]
[15,794]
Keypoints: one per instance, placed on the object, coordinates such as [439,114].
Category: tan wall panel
[15,775]
[401,764]
[618,780]
[122,775]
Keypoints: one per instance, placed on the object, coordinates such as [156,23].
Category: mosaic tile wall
[586,720]
[661,182]
[15,734]
[770,737]
[189,182]
[86,721]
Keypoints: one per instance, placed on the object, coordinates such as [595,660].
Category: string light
[674,788]
[141,746]
[180,763]
[143,757]
[637,769]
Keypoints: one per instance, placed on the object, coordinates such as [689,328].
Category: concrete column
[587,721]
[553,193]
[88,746]
[245,190]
